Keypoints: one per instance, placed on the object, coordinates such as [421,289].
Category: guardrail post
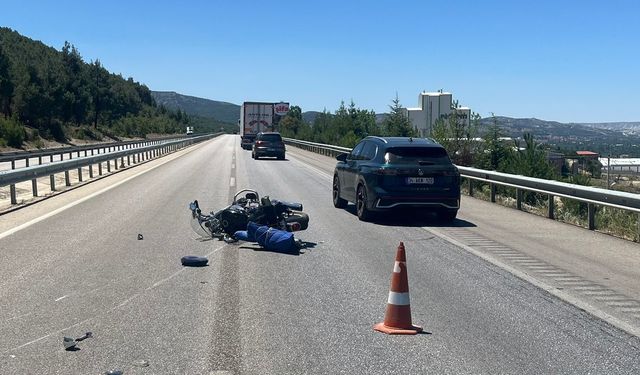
[13,164]
[492,188]
[78,153]
[91,152]
[51,158]
[519,199]
[99,169]
[14,198]
[128,160]
[34,187]
[67,180]
[550,207]
[591,213]
[52,182]
[80,174]
[26,161]
[85,153]
[39,160]
[108,165]
[470,187]
[122,162]
[70,155]
[90,170]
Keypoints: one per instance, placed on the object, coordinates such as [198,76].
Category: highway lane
[254,311]
[596,271]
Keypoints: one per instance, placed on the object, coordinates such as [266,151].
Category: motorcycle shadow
[412,218]
[302,246]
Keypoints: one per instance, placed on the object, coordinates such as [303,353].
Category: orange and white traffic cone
[397,317]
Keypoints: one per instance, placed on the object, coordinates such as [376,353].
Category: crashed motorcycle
[248,206]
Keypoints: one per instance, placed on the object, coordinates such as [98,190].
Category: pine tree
[397,124]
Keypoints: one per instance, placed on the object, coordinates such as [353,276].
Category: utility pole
[609,169]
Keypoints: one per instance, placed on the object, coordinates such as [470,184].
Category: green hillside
[221,111]
[51,94]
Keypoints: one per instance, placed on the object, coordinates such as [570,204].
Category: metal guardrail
[319,148]
[590,195]
[12,177]
[14,156]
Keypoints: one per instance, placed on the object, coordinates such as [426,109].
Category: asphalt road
[256,312]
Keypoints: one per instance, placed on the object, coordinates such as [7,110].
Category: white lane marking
[162,281]
[398,299]
[18,316]
[75,203]
[567,297]
[105,312]
[61,298]
[232,182]
[316,170]
[233,165]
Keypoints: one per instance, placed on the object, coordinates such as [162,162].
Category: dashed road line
[599,295]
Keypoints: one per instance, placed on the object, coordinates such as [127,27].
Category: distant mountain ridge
[221,111]
[514,127]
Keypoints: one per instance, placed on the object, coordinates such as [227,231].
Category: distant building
[621,165]
[433,106]
[588,154]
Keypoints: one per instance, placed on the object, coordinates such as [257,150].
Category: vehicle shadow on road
[413,218]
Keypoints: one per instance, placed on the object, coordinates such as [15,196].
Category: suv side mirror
[342,157]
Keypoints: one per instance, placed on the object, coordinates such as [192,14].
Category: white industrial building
[432,106]
[621,165]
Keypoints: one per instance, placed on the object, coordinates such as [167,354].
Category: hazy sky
[570,61]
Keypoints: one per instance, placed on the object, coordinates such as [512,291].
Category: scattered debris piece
[70,343]
[114,372]
[140,236]
[194,261]
[141,363]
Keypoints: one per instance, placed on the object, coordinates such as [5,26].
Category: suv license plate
[420,180]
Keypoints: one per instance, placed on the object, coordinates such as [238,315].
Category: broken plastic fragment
[70,343]
[141,363]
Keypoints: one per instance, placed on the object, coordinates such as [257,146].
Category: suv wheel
[361,204]
[281,157]
[337,201]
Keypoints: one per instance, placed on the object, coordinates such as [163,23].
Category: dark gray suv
[268,144]
[380,174]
